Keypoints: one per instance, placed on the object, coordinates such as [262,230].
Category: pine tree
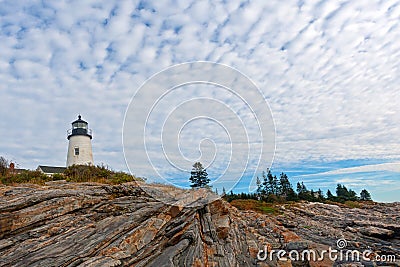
[352,195]
[285,188]
[271,185]
[199,176]
[320,194]
[365,195]
[303,188]
[259,186]
[344,194]
[329,195]
[299,189]
[284,185]
[275,186]
[223,191]
[265,183]
[302,191]
[3,166]
[341,191]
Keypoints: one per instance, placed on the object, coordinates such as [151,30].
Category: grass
[32,177]
[352,204]
[75,173]
[255,205]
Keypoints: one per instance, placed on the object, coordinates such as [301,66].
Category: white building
[80,144]
[50,170]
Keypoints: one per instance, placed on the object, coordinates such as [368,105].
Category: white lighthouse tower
[80,144]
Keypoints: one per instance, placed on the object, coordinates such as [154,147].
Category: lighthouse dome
[79,127]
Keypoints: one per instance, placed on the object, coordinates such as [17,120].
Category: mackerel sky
[329,70]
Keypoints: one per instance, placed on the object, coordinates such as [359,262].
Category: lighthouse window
[79,125]
[76,151]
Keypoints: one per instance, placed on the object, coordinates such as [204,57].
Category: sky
[326,71]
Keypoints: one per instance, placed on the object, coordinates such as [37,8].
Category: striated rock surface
[373,226]
[67,224]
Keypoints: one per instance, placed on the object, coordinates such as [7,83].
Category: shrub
[75,173]
[3,166]
[121,177]
[352,204]
[33,177]
[256,205]
[100,173]
[58,176]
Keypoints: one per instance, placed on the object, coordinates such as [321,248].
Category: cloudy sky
[329,71]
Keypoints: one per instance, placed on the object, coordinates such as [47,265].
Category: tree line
[271,188]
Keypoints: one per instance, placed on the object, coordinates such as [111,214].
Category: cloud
[328,69]
[380,179]
[390,167]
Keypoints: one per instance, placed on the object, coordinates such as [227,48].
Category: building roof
[51,169]
[79,120]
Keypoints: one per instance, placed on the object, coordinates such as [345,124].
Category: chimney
[12,167]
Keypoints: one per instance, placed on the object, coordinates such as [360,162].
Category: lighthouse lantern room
[80,144]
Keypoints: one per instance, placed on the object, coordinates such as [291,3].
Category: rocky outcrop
[103,225]
[89,224]
[373,225]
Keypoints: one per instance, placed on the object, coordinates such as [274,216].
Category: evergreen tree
[275,186]
[329,195]
[271,185]
[291,195]
[303,188]
[365,195]
[265,183]
[284,183]
[320,194]
[341,191]
[351,195]
[223,191]
[285,188]
[199,176]
[3,166]
[259,186]
[344,194]
[303,193]
[299,189]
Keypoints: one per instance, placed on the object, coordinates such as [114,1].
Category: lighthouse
[80,144]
